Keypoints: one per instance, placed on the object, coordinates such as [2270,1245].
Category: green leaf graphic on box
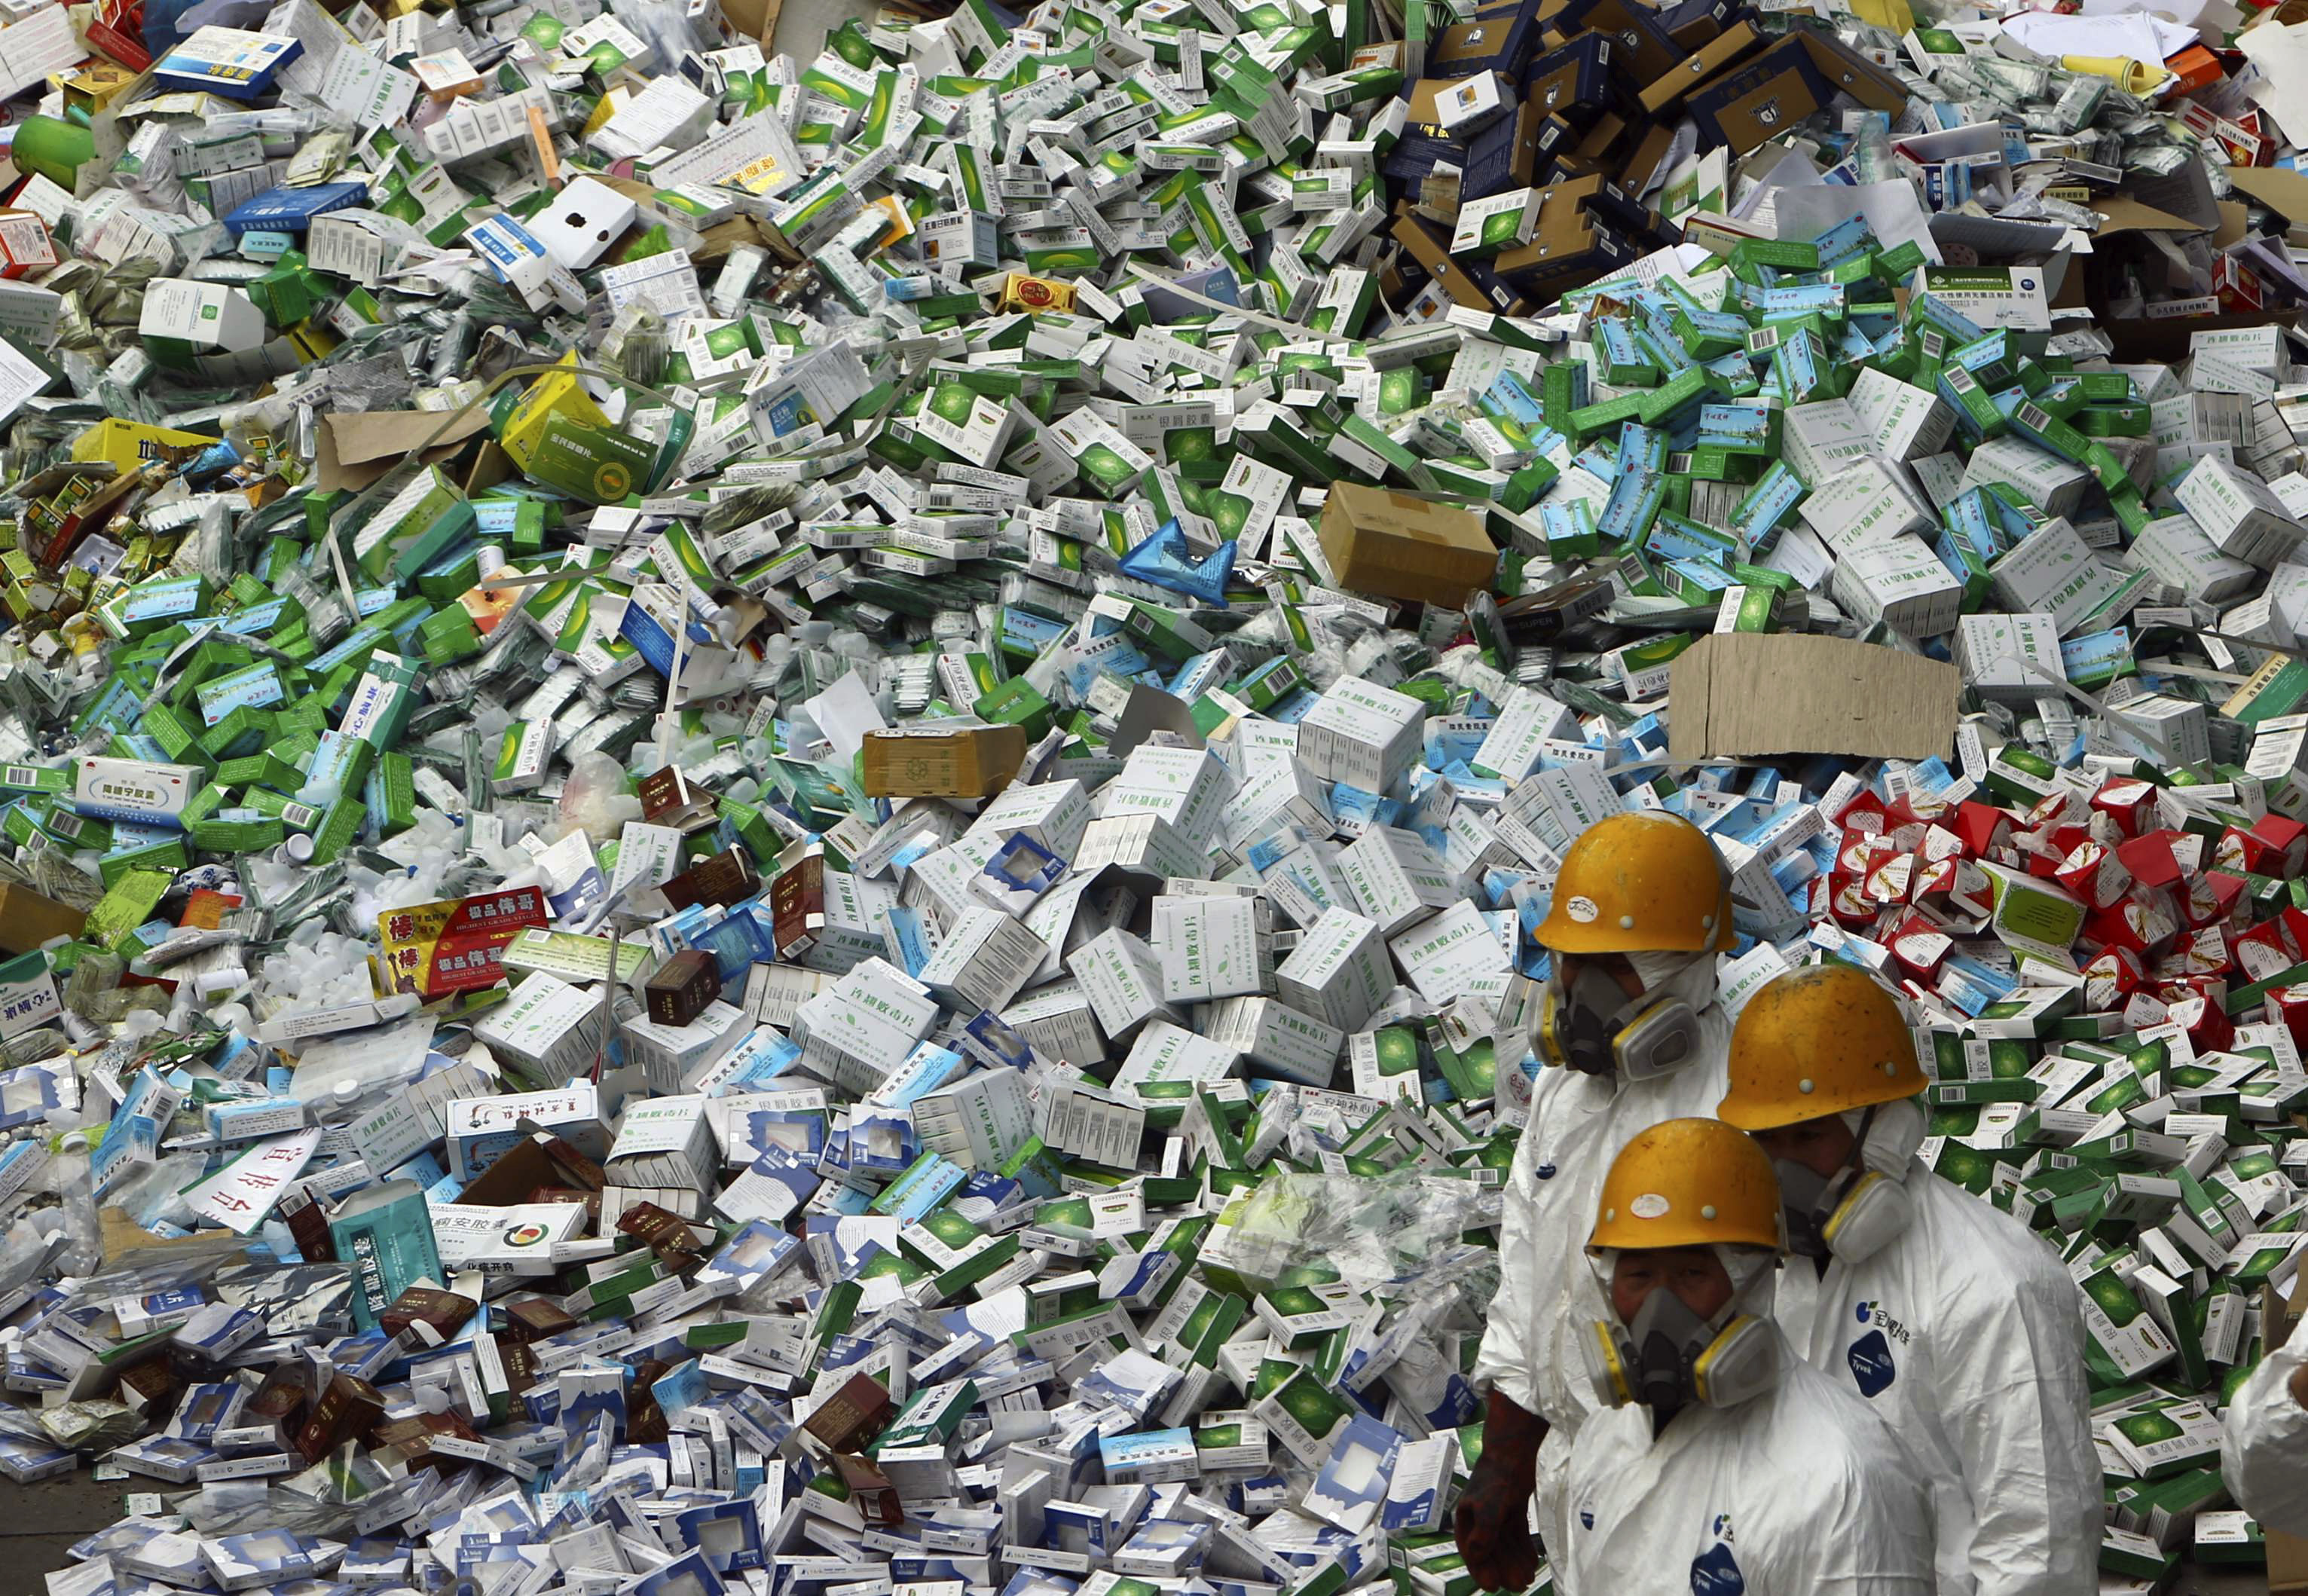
[949,1227]
[2143,1429]
[1066,1211]
[1312,1405]
[1396,1051]
[1100,463]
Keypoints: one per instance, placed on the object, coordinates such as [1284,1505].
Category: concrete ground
[37,1523]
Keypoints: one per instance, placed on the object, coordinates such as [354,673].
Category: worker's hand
[1493,1526]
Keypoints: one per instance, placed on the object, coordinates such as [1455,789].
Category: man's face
[1821,1145]
[1614,965]
[1694,1273]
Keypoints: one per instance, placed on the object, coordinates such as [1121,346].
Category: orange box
[2196,67]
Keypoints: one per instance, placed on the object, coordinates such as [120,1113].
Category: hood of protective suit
[1690,976]
[1893,1138]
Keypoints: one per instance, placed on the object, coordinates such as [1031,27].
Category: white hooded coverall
[2264,1443]
[1801,1491]
[1965,1335]
[1547,1290]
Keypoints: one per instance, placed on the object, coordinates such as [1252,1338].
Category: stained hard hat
[1689,1183]
[1640,881]
[1818,1041]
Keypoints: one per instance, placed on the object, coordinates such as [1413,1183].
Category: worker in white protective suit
[2264,1441]
[1630,1035]
[1726,1465]
[1959,1327]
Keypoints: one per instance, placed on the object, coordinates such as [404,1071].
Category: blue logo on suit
[1871,1364]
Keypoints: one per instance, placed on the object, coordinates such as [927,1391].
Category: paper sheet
[846,712]
[1891,210]
[2281,54]
[2134,35]
[2211,13]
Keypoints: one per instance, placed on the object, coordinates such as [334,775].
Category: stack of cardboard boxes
[1554,115]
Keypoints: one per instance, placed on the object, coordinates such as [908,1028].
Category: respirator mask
[1588,1024]
[1669,1357]
[1857,1212]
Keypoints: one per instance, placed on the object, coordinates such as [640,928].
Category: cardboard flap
[2186,194]
[356,449]
[127,1245]
[1737,694]
[2120,213]
[543,1160]
[2282,191]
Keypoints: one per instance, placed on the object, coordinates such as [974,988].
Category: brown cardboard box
[1691,26]
[1395,546]
[933,762]
[1522,147]
[1421,116]
[1745,694]
[1717,55]
[1576,83]
[1434,253]
[1565,239]
[28,919]
[1601,140]
[2288,1564]
[1636,28]
[1465,48]
[1759,98]
[1634,174]
[1848,71]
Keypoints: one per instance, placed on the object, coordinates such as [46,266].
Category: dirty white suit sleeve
[1508,1361]
[2264,1445]
[2019,1415]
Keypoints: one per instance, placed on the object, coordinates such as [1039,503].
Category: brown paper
[1737,694]
[127,1245]
[28,919]
[2120,213]
[356,450]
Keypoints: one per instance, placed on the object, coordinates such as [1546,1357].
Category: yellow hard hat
[1689,1183]
[1643,881]
[1817,1041]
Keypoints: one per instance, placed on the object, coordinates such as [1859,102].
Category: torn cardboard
[1738,696]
